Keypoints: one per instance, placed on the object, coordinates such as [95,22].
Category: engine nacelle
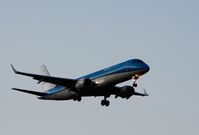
[126,92]
[84,84]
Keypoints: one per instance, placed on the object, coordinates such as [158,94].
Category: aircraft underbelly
[62,95]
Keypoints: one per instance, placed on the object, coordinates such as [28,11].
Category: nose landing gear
[135,78]
[135,84]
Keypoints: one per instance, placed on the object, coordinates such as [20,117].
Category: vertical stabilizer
[46,86]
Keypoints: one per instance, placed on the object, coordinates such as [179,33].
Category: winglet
[145,93]
[16,72]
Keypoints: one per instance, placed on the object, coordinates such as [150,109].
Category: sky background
[77,37]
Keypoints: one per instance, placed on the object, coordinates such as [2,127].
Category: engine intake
[125,92]
[84,84]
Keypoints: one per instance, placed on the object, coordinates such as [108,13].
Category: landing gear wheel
[79,98]
[105,103]
[135,84]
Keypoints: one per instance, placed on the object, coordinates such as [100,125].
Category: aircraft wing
[30,92]
[115,88]
[54,80]
[141,94]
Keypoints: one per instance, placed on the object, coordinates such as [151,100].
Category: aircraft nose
[147,68]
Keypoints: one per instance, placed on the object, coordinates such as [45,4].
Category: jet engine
[84,84]
[125,92]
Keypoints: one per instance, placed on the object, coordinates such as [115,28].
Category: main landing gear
[105,102]
[77,98]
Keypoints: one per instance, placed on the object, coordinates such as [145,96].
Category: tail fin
[46,86]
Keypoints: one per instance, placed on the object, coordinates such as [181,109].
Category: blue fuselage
[104,78]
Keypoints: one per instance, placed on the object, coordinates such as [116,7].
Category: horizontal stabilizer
[30,92]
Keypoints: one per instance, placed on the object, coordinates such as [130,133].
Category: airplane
[101,83]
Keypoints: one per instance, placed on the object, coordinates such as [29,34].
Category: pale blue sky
[76,37]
